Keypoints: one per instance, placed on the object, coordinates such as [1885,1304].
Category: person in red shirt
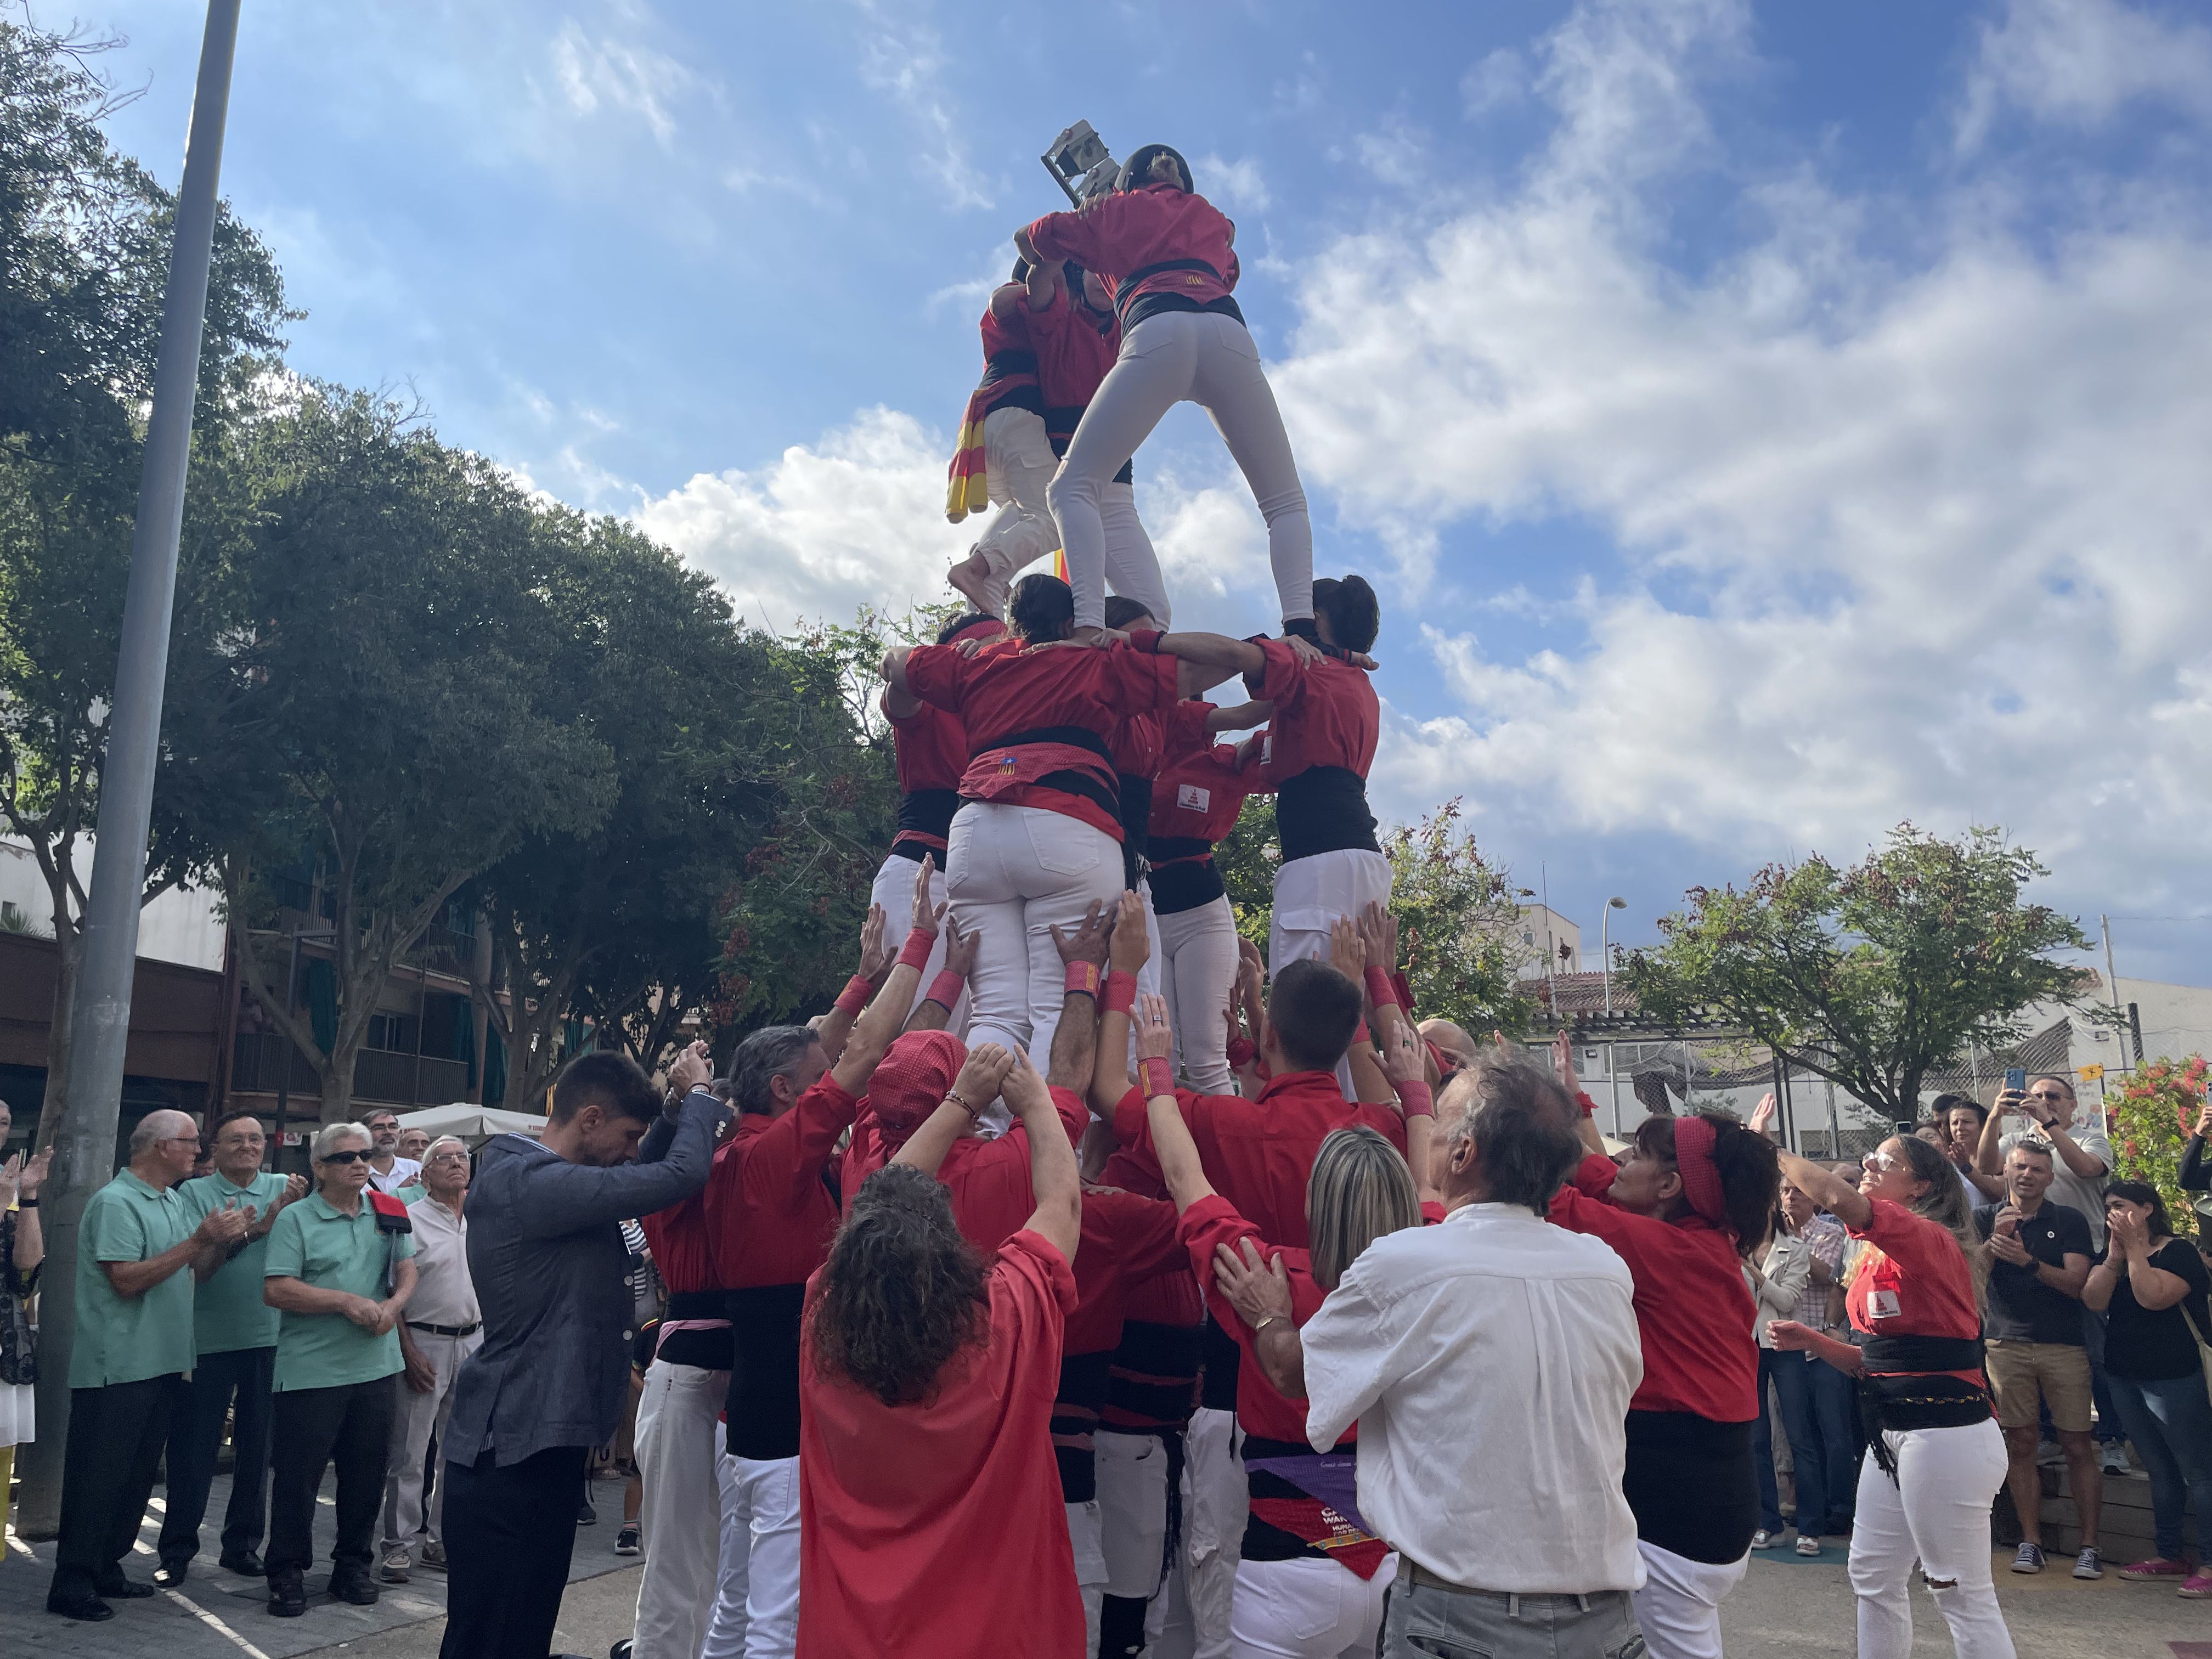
[1166,249]
[929,1518]
[1694,1194]
[1937,1457]
[1004,455]
[1196,801]
[1308,1576]
[1037,837]
[930,750]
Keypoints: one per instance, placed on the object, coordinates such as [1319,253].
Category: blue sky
[1765,423]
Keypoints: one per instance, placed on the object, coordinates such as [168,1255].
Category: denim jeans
[2170,1420]
[1422,1618]
[1762,1454]
[1824,1444]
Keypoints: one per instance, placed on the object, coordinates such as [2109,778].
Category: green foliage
[1455,925]
[1247,857]
[2156,1112]
[1869,974]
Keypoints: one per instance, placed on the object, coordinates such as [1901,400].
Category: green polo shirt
[129,1339]
[333,1251]
[412,1195]
[227,1311]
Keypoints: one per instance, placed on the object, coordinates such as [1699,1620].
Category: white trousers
[1216,1499]
[893,892]
[1020,465]
[756,1598]
[1680,1605]
[420,1416]
[1085,1531]
[679,1510]
[1307,1609]
[1173,357]
[1311,894]
[1936,1512]
[1198,966]
[1132,1508]
[1013,873]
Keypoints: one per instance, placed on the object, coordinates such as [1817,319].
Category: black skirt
[1691,1484]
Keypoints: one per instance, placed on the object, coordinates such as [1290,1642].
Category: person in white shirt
[1489,1363]
[443,1326]
[387,1170]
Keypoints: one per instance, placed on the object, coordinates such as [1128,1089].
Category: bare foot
[968,578]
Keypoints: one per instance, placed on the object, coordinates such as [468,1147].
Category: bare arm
[977,1086]
[1988,1160]
[1054,1176]
[1827,1189]
[403,1287]
[2078,1158]
[1074,1040]
[932,1013]
[203,1252]
[1110,1066]
[1180,1171]
[1794,1337]
[872,1033]
[836,1026]
[297,1295]
[1259,1290]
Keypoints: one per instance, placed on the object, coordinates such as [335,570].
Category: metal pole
[84,1148]
[1835,1130]
[1605,964]
[2112,975]
[1551,948]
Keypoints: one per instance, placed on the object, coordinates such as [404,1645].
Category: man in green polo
[341,1275]
[134,1347]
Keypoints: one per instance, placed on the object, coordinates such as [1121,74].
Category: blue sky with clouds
[1763,422]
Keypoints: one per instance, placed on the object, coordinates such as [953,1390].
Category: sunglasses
[1879,1161]
[351,1155]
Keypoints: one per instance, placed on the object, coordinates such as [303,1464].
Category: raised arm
[875,1029]
[1210,659]
[1347,954]
[1177,1153]
[559,1197]
[1988,1160]
[977,1085]
[1109,1066]
[1083,967]
[1054,1176]
[1827,1189]
[934,1011]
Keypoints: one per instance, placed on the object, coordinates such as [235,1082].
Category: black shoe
[352,1582]
[172,1572]
[288,1597]
[620,1650]
[586,1516]
[88,1609]
[244,1563]
[116,1587]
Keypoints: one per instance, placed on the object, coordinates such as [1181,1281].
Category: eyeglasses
[2053,1095]
[1879,1161]
[352,1154]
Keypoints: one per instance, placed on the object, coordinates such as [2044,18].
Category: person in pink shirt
[1166,251]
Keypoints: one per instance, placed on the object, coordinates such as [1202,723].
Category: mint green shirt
[227,1311]
[413,1195]
[332,1251]
[129,1339]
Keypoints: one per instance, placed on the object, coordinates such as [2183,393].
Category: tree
[1460,908]
[385,715]
[2153,1121]
[1248,858]
[617,921]
[1874,974]
[84,249]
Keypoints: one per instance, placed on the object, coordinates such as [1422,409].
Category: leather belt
[445,1330]
[1410,1569]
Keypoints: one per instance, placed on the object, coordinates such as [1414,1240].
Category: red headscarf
[911,1082]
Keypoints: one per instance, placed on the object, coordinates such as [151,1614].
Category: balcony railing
[442,950]
[397,1080]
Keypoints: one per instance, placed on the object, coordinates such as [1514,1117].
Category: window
[392,1033]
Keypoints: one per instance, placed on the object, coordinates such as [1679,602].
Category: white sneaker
[1808,1545]
[2113,1456]
[1762,1539]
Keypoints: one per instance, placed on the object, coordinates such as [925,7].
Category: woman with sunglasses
[1938,1458]
[1694,1195]
[2152,1287]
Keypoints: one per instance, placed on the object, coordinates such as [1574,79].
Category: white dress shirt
[406,1172]
[444,1292]
[1489,1362]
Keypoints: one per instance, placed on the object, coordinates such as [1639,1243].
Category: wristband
[22,1203]
[916,951]
[1380,989]
[1359,1034]
[1404,987]
[856,995]
[1588,1106]
[951,1099]
[1417,1100]
[1120,994]
[1241,1051]
[946,988]
[1081,976]
[1158,1076]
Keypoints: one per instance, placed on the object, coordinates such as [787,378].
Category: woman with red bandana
[1166,250]
[1694,1194]
[930,1519]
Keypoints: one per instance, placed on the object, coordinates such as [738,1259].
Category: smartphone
[1904,1126]
[2016,1079]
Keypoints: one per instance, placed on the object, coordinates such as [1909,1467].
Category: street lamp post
[1605,963]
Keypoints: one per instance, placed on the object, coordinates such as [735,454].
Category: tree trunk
[68,952]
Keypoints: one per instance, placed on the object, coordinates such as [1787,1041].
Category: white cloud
[623,76]
[1500,79]
[2078,61]
[907,62]
[1237,185]
[1928,543]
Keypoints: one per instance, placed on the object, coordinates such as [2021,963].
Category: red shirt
[683,1246]
[999,693]
[1260,1409]
[1126,1240]
[936,1531]
[1072,355]
[1011,332]
[1326,713]
[769,1211]
[1694,1311]
[929,747]
[1199,796]
[1130,229]
[993,1198]
[1914,1282]
[1259,1154]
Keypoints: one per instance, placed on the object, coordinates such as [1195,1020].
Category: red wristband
[915,953]
[855,996]
[946,988]
[1404,987]
[1241,1052]
[1081,976]
[1120,994]
[1588,1106]
[1158,1075]
[1380,991]
[1417,1100]
[1360,1035]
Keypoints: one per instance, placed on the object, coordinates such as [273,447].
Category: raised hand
[692,1069]
[1404,1060]
[1088,942]
[981,1075]
[875,955]
[1155,1037]
[959,948]
[1131,949]
[1347,953]
[295,1189]
[2204,1118]
[1562,1062]
[1762,1116]
[1027,1095]
[1304,649]
[1257,1288]
[226,1226]
[926,914]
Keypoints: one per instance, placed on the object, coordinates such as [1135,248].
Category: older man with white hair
[134,1347]
[1489,1363]
[444,1326]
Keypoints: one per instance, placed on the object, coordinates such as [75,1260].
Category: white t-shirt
[2075,1192]
[406,1172]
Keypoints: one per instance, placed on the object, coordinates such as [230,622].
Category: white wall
[179,927]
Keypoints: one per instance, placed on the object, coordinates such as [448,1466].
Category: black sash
[1903,1388]
[1136,816]
[1184,885]
[928,811]
[762,1408]
[1324,810]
